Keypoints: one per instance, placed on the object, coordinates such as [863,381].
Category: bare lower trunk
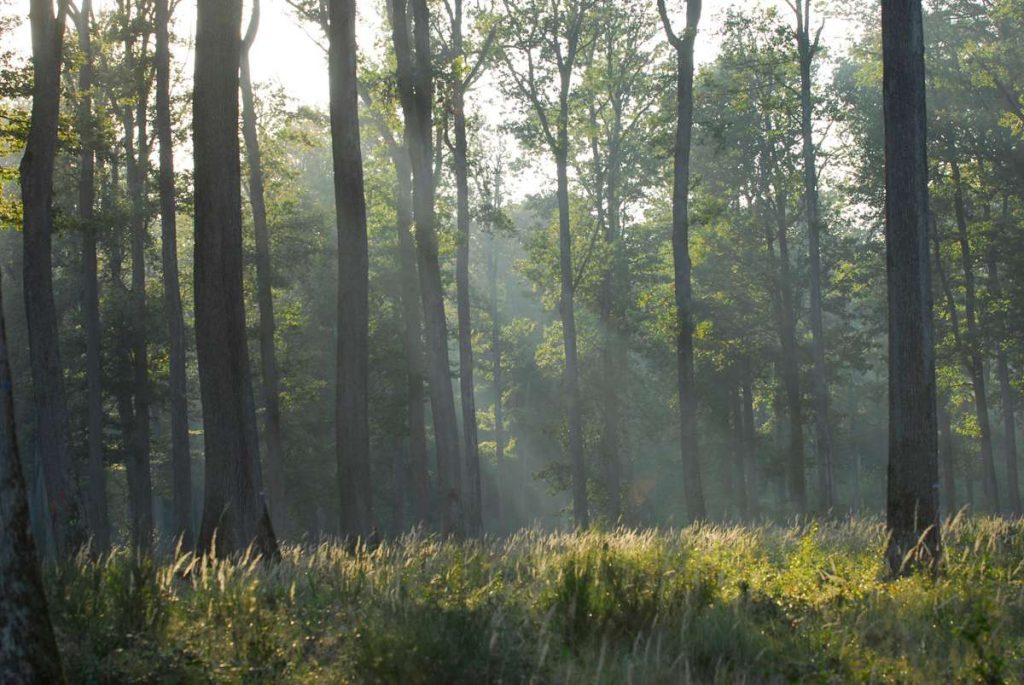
[416,91]
[947,458]
[1007,396]
[352,403]
[96,502]
[749,435]
[499,412]
[273,443]
[28,650]
[739,449]
[975,361]
[234,510]
[181,456]
[50,400]
[470,442]
[912,507]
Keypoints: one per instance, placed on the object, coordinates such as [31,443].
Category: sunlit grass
[705,604]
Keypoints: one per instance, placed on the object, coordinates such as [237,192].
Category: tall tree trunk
[947,458]
[416,93]
[496,370]
[140,489]
[975,362]
[822,428]
[684,46]
[912,507]
[790,365]
[264,295]
[739,451]
[470,439]
[181,455]
[50,400]
[1007,396]
[28,650]
[234,507]
[412,321]
[352,404]
[96,504]
[749,434]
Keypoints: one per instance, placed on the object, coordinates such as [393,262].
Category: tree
[807,49]
[534,33]
[352,409]
[416,93]
[96,502]
[681,254]
[234,509]
[28,650]
[462,79]
[912,511]
[181,456]
[264,278]
[37,164]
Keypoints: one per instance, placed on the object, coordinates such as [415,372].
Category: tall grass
[707,604]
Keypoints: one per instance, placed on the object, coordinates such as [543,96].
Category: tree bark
[416,93]
[264,278]
[470,439]
[947,458]
[975,362]
[234,507]
[181,455]
[96,504]
[912,507]
[684,45]
[739,451]
[136,147]
[499,413]
[822,428]
[50,400]
[28,650]
[352,404]
[1007,396]
[749,434]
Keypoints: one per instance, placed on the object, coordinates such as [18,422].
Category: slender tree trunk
[739,451]
[140,489]
[499,411]
[412,334]
[96,505]
[234,508]
[1008,398]
[470,439]
[566,308]
[976,364]
[416,92]
[352,408]
[791,366]
[749,435]
[822,427]
[912,507]
[181,456]
[28,650]
[694,491]
[947,458]
[264,295]
[50,400]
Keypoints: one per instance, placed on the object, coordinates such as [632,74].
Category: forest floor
[708,604]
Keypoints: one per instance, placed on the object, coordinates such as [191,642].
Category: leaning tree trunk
[181,456]
[470,439]
[264,295]
[912,506]
[416,93]
[822,427]
[28,650]
[975,361]
[684,45]
[352,404]
[234,507]
[96,503]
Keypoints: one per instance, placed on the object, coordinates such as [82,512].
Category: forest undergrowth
[707,604]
